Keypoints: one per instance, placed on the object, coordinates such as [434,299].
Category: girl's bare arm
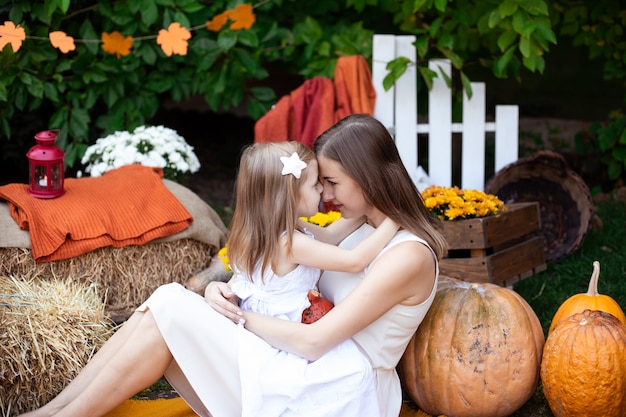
[335,232]
[307,251]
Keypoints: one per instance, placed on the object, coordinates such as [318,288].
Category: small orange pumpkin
[590,300]
[583,371]
[476,353]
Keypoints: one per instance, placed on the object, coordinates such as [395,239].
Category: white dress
[206,346]
[277,383]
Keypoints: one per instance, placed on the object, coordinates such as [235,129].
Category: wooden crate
[501,249]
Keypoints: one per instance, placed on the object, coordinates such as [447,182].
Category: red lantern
[45,167]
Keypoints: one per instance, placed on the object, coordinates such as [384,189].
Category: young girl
[276,263]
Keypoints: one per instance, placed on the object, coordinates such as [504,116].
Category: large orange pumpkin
[477,352]
[583,371]
[590,300]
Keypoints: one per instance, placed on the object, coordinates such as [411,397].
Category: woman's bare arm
[403,275]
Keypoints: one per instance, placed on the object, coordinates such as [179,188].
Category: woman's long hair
[368,154]
[265,204]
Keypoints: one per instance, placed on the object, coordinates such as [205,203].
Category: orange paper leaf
[116,44]
[174,39]
[10,33]
[217,23]
[61,41]
[242,17]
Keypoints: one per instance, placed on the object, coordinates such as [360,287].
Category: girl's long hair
[368,154]
[265,204]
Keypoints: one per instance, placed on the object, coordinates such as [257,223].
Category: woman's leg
[131,360]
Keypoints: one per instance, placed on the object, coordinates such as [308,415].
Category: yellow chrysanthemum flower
[452,203]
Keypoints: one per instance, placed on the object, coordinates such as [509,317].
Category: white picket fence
[397,110]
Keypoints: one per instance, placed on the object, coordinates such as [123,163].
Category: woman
[195,343]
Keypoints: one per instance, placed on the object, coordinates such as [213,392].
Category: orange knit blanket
[126,206]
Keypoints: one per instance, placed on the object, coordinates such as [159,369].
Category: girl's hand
[219,296]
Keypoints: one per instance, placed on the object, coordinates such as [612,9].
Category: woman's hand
[220,297]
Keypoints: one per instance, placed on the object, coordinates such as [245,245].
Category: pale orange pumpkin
[477,352]
[591,300]
[583,372]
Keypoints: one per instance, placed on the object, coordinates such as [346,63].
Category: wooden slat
[384,50]
[440,120]
[519,220]
[473,145]
[406,107]
[520,259]
[507,127]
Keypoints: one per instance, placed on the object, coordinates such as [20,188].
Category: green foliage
[611,140]
[89,93]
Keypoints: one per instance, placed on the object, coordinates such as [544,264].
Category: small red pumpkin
[319,306]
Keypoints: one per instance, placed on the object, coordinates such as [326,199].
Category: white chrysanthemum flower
[155,146]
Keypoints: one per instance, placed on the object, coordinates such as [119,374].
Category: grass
[546,291]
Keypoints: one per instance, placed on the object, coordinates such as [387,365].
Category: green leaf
[49,7]
[64,5]
[614,170]
[500,64]
[248,38]
[58,120]
[507,7]
[467,85]
[50,90]
[3,92]
[519,21]
[149,12]
[494,19]
[457,61]
[181,18]
[427,75]
[192,7]
[441,5]
[15,15]
[619,153]
[543,27]
[534,7]
[506,39]
[396,68]
[421,45]
[147,53]
[226,39]
[87,31]
[622,137]
[5,127]
[418,5]
[263,93]
[524,46]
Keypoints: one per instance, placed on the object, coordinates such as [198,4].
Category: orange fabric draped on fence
[319,103]
[126,206]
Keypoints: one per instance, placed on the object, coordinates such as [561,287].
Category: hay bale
[128,274]
[49,329]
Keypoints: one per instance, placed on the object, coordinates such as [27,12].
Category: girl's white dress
[278,383]
[206,347]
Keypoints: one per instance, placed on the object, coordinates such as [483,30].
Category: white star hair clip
[292,165]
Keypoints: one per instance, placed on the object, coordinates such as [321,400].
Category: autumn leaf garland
[173,40]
